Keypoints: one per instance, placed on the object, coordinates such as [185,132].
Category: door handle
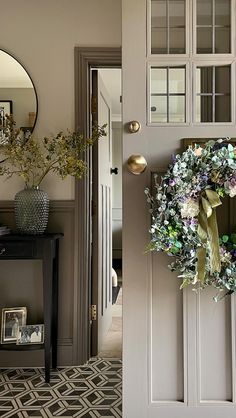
[114,170]
[134,126]
[136,164]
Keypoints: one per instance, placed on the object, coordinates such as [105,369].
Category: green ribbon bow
[208,229]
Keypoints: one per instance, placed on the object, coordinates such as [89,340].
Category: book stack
[4,230]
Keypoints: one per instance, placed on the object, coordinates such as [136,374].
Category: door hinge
[93,312]
[94,105]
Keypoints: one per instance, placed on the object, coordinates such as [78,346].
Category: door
[102,228]
[179,346]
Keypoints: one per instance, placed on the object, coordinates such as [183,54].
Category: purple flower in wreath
[172,182]
[173,158]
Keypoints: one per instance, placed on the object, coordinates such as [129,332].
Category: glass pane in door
[168,27]
[204,12]
[177,41]
[222,79]
[222,40]
[176,80]
[159,81]
[222,12]
[222,109]
[159,109]
[204,40]
[159,26]
[176,109]
[206,109]
[176,13]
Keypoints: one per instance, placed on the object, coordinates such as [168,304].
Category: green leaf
[233,238]
[225,238]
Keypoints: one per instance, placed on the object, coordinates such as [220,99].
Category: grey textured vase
[31,211]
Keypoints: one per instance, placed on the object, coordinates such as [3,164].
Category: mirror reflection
[17,93]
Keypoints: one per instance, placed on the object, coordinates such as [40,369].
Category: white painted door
[102,234]
[179,347]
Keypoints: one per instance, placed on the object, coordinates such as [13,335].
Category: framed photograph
[30,334]
[5,109]
[12,319]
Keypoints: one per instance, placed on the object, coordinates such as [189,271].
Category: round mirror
[17,93]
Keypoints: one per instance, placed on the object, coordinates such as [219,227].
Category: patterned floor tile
[89,391]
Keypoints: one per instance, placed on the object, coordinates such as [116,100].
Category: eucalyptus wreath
[183,210]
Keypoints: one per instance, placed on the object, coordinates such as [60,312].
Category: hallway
[89,391]
[112,346]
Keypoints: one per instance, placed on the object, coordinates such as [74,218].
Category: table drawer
[16,249]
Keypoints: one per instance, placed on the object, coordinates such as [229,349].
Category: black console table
[45,247]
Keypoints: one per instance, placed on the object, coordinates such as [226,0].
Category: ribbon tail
[201,252]
[213,236]
[201,260]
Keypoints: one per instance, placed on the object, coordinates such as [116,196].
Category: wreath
[184,224]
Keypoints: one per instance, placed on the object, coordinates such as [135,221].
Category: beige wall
[42,35]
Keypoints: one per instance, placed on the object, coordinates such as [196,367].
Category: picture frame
[6,108]
[12,318]
[30,334]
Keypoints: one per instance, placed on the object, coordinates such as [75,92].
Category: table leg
[55,305]
[47,303]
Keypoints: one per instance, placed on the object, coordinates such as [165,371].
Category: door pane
[206,79]
[158,13]
[206,109]
[176,80]
[159,80]
[159,27]
[177,41]
[204,40]
[204,12]
[159,109]
[222,40]
[177,109]
[222,12]
[177,13]
[222,109]
[159,41]
[222,80]
[168,26]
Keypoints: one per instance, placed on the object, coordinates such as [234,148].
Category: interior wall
[42,36]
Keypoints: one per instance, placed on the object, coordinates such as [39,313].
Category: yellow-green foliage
[32,160]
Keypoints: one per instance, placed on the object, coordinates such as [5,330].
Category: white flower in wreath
[231,187]
[190,208]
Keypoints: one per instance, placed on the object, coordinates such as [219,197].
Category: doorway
[85,59]
[106,285]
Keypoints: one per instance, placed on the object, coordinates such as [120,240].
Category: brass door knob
[136,164]
[134,126]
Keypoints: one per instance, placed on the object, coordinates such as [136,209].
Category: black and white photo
[31,334]
[12,319]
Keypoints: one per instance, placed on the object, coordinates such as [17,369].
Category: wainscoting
[21,285]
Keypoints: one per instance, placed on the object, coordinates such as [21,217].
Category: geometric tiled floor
[89,391]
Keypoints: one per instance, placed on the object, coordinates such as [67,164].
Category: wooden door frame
[85,59]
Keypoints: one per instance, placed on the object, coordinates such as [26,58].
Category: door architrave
[85,59]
